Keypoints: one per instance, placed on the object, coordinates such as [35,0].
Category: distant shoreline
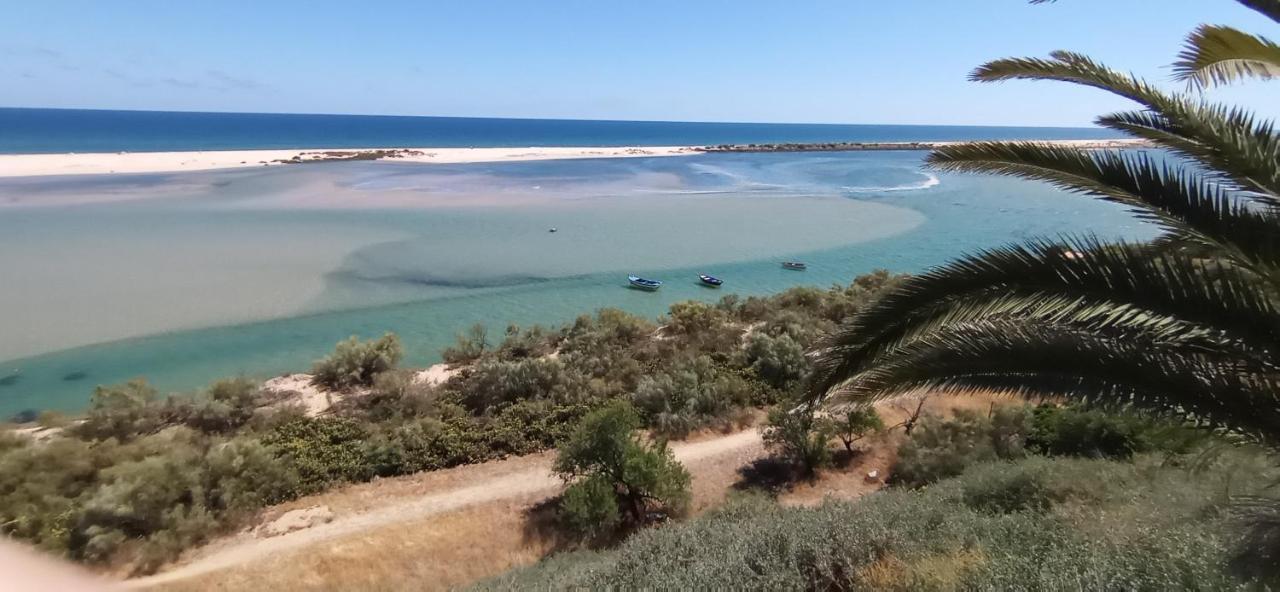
[106,163]
[855,146]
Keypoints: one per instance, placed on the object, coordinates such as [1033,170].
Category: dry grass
[462,546]
[436,553]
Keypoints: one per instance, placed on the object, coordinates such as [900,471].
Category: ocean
[189,277]
[82,130]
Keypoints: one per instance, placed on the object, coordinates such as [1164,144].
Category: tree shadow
[542,525]
[770,475]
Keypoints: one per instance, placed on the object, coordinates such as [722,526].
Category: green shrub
[468,346]
[395,395]
[589,508]
[692,394]
[778,361]
[1145,526]
[525,343]
[355,364]
[851,425]
[121,411]
[1075,430]
[605,454]
[941,448]
[324,450]
[799,437]
[245,474]
[492,384]
[225,406]
[1007,487]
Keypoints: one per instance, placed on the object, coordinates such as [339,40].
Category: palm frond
[1268,8]
[1110,285]
[1044,359]
[1179,200]
[1223,55]
[1243,152]
[1225,139]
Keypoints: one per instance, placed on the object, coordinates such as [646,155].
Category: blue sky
[837,61]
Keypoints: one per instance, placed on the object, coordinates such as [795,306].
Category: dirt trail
[521,482]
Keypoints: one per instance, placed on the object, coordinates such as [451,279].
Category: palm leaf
[1269,8]
[1044,359]
[1227,140]
[1223,55]
[1243,150]
[1179,200]
[1161,284]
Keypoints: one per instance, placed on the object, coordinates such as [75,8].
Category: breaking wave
[930,180]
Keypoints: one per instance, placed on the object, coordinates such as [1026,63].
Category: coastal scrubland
[998,494]
[142,476]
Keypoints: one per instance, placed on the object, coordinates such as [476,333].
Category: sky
[819,61]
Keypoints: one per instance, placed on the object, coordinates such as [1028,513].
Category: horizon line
[502,118]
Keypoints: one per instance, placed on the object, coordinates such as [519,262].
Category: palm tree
[1188,324]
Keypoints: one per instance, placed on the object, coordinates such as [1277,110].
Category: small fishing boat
[643,284]
[796,265]
[553,229]
[710,280]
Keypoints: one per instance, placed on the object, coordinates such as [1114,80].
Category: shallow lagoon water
[188,278]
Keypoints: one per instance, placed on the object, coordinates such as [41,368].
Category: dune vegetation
[142,477]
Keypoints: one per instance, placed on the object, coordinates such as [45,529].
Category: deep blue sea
[83,130]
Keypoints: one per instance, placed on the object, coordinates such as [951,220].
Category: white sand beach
[34,165]
[101,163]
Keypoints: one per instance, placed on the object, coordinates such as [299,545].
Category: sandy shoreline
[101,163]
[104,163]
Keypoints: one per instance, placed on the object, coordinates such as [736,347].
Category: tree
[355,364]
[617,477]
[798,437]
[854,424]
[1188,324]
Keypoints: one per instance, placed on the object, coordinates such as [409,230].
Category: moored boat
[643,284]
[710,280]
[795,265]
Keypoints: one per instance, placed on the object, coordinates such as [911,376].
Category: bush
[778,361]
[691,395]
[941,448]
[1007,487]
[227,405]
[492,384]
[120,411]
[1075,430]
[589,509]
[1146,527]
[851,425]
[605,455]
[355,364]
[324,451]
[799,438]
[468,346]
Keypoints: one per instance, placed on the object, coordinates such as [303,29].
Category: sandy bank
[33,165]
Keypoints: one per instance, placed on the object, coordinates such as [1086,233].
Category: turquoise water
[92,130]
[188,278]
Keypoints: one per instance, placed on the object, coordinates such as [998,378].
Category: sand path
[520,480]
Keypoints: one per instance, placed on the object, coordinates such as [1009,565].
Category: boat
[796,265]
[553,229]
[710,280]
[643,284]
